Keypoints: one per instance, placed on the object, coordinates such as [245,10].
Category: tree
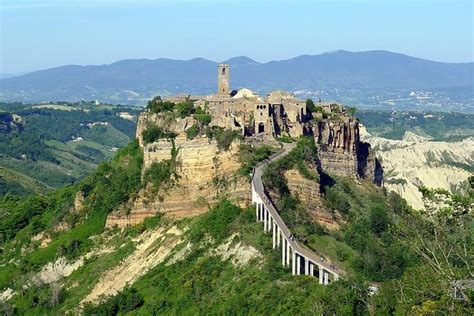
[351,111]
[378,220]
[157,105]
[185,108]
[310,105]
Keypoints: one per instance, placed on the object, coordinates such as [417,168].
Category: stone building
[278,113]
[223,79]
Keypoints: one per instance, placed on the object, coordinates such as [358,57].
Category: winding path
[303,260]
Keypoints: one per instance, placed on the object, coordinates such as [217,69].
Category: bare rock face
[341,152]
[308,192]
[78,201]
[204,174]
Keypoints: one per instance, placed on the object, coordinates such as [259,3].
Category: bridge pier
[278,236]
[321,273]
[311,269]
[283,250]
[293,261]
[287,253]
[306,266]
[298,265]
[274,233]
[265,218]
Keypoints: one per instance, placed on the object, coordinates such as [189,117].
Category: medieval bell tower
[223,79]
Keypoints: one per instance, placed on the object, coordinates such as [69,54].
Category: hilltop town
[202,138]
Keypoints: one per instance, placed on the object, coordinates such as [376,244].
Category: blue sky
[38,34]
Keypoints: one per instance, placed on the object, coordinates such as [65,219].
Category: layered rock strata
[204,175]
[308,193]
[341,152]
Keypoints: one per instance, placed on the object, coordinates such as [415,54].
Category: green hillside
[50,145]
[221,262]
[441,126]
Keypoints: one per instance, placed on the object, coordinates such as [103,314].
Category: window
[223,71]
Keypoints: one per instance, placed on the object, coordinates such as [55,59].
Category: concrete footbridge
[303,261]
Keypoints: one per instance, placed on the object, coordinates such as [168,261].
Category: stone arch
[261,128]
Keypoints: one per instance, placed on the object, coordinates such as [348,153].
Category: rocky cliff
[308,193]
[341,152]
[204,174]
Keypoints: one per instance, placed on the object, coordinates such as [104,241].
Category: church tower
[223,79]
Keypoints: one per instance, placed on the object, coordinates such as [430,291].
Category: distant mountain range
[135,80]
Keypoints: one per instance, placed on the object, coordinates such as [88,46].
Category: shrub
[378,220]
[154,133]
[185,108]
[192,132]
[310,105]
[158,173]
[156,105]
[250,156]
[224,137]
[216,222]
[203,118]
[127,300]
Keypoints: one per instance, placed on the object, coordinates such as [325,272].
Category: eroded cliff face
[341,152]
[172,124]
[417,161]
[204,174]
[308,192]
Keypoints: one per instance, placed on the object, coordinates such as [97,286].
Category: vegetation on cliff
[154,133]
[203,283]
[383,240]
[113,183]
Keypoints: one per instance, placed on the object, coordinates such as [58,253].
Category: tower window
[223,71]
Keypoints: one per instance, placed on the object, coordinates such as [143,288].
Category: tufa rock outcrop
[204,175]
[341,152]
[308,193]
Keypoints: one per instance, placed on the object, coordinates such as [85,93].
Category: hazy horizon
[224,60]
[43,34]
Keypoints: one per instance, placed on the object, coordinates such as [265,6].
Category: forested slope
[50,145]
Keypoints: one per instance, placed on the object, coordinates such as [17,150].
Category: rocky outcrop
[79,201]
[204,175]
[341,152]
[308,192]
[171,124]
